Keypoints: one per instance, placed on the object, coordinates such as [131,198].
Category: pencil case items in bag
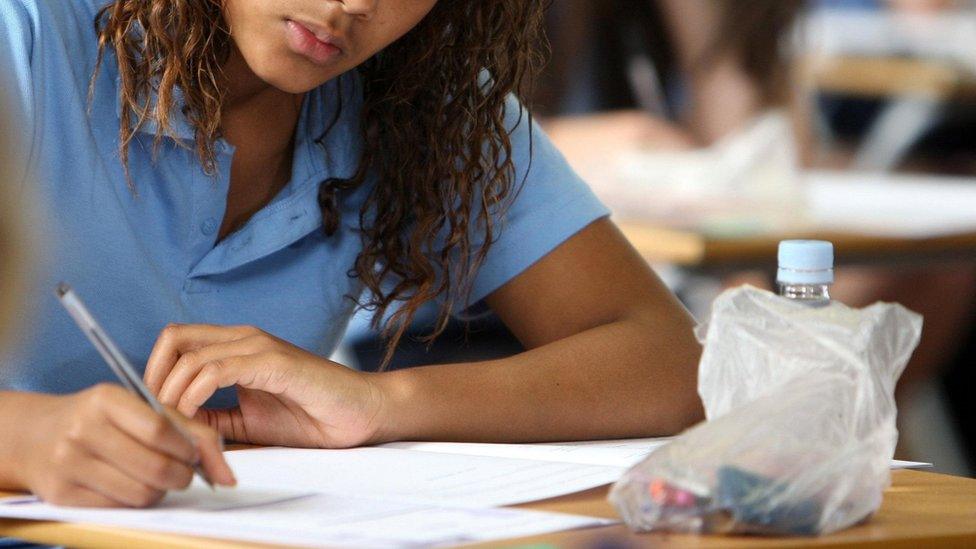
[801,421]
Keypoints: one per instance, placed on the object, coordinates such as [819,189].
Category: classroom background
[714,128]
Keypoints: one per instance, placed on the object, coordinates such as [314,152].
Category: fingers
[157,453]
[153,469]
[117,487]
[211,448]
[188,365]
[77,476]
[228,423]
[81,496]
[255,371]
[134,418]
[177,339]
[104,447]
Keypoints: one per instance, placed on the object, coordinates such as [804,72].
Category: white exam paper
[612,453]
[436,478]
[200,498]
[623,453]
[396,495]
[902,464]
[893,206]
[617,453]
[450,474]
[322,520]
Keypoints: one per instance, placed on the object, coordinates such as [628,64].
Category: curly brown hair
[433,124]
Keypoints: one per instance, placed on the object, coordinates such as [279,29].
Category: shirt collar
[319,155]
[179,126]
[318,111]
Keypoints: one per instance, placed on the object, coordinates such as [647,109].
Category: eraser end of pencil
[63,289]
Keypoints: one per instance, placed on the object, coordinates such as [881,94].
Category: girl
[239,171]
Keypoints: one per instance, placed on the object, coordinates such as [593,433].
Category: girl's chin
[298,80]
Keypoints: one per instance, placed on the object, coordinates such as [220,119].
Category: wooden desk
[720,253]
[880,77]
[920,510]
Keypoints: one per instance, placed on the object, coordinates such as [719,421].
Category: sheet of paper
[613,453]
[908,206]
[642,447]
[423,477]
[622,453]
[404,494]
[901,464]
[199,497]
[323,520]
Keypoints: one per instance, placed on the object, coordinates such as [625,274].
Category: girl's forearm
[629,378]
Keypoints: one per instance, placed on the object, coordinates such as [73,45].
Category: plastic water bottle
[806,271]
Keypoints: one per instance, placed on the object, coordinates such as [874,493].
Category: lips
[317,45]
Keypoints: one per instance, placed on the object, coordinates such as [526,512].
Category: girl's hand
[286,395]
[104,447]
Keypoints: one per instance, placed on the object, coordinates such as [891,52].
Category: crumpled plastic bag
[800,426]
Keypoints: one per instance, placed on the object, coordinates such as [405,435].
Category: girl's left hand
[286,396]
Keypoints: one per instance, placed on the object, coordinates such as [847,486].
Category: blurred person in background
[682,74]
[674,73]
[13,256]
[85,447]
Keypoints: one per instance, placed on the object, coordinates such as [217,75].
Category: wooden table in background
[916,91]
[920,509]
[882,77]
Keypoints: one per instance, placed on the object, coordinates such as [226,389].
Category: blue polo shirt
[148,255]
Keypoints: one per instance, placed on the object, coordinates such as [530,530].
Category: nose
[361,8]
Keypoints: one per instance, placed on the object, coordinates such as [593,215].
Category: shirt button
[209,226]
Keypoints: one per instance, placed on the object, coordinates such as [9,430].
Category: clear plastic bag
[801,421]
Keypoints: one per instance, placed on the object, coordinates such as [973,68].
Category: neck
[257,117]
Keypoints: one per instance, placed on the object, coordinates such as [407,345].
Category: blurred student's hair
[753,32]
[750,32]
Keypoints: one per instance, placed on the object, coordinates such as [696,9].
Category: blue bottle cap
[805,262]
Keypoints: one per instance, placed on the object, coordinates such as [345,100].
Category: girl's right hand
[104,447]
